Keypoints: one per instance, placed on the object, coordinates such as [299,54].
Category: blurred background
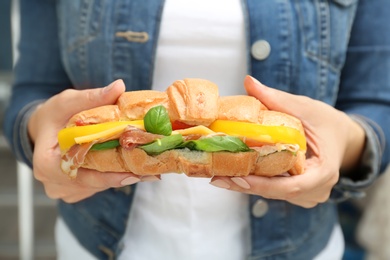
[27,216]
[38,227]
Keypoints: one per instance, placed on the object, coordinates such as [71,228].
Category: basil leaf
[156,121]
[163,144]
[217,144]
[104,146]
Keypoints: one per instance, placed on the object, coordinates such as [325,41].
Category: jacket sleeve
[365,93]
[38,72]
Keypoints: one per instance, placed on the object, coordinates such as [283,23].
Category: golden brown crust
[105,161]
[240,108]
[193,101]
[234,164]
[275,118]
[195,163]
[140,163]
[135,104]
[96,115]
[279,162]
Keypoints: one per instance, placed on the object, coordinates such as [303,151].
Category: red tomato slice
[177,125]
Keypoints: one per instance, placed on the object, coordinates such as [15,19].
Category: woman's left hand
[334,141]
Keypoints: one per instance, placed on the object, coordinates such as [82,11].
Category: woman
[332,52]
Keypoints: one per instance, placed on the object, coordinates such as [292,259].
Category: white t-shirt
[180,217]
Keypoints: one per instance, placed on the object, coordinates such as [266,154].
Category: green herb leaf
[217,144]
[163,144]
[156,121]
[104,146]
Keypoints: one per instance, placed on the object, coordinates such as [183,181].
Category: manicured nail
[150,178]
[109,87]
[220,184]
[130,180]
[256,81]
[241,182]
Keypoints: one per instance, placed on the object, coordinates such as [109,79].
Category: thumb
[76,101]
[91,98]
[56,111]
[275,99]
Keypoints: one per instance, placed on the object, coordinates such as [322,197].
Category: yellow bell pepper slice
[68,137]
[262,133]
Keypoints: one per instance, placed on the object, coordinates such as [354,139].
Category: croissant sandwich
[187,129]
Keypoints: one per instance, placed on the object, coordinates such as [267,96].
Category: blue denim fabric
[333,51]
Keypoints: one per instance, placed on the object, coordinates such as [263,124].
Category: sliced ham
[133,136]
[74,158]
[129,139]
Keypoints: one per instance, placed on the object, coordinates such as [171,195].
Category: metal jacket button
[260,208]
[261,50]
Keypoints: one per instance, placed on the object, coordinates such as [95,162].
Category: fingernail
[220,184]
[256,81]
[241,182]
[109,87]
[150,178]
[130,180]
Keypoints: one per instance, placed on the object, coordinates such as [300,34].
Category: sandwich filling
[154,134]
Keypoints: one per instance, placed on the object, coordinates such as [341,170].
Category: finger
[233,186]
[56,190]
[98,186]
[309,185]
[283,188]
[104,180]
[73,198]
[278,187]
[294,105]
[76,193]
[64,186]
[266,187]
[304,203]
[79,196]
[87,183]
[275,99]
[150,178]
[74,101]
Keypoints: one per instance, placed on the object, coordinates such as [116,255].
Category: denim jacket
[336,51]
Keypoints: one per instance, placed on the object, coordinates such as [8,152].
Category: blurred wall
[5,36]
[6,60]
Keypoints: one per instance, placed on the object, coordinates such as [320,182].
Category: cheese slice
[195,130]
[68,137]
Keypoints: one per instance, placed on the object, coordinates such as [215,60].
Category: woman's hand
[43,127]
[334,141]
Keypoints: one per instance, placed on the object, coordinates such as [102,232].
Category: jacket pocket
[83,42]
[324,28]
[80,22]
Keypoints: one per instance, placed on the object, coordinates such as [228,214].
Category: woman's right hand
[43,127]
